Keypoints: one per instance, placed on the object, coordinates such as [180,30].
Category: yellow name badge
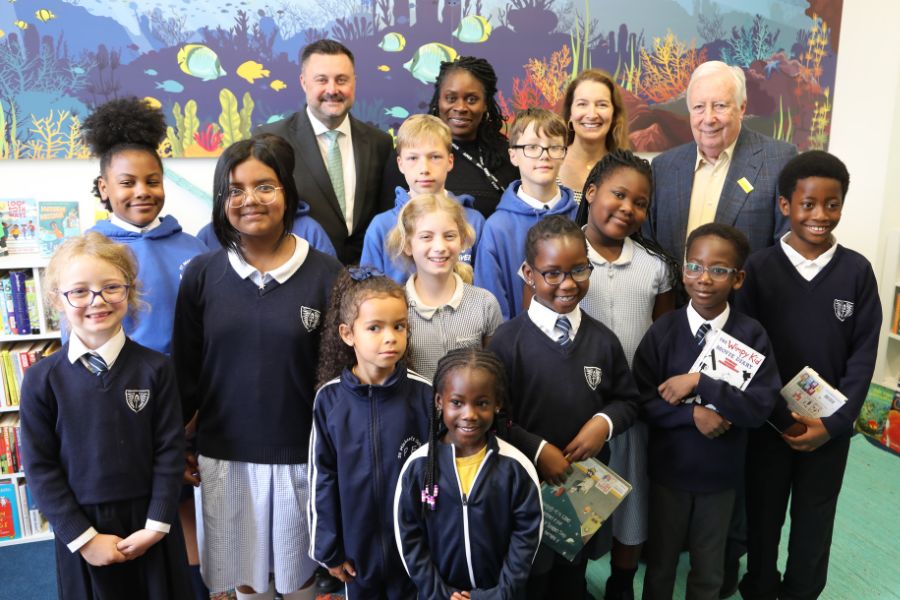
[745,185]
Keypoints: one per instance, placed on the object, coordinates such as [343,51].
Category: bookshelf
[43,329]
[887,366]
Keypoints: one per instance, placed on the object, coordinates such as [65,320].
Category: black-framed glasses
[112,293]
[716,273]
[264,194]
[536,150]
[556,277]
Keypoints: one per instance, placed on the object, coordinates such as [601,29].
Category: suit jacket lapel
[684,183]
[361,150]
[311,156]
[745,163]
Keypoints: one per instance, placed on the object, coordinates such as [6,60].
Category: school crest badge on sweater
[843,309]
[309,317]
[137,399]
[593,376]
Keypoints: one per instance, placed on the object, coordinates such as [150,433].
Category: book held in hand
[728,359]
[809,395]
[574,511]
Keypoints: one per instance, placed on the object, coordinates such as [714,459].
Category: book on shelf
[10,524]
[574,511]
[10,448]
[728,359]
[895,322]
[19,220]
[879,418]
[58,222]
[15,359]
[808,394]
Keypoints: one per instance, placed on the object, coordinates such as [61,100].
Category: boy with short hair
[537,146]
[696,448]
[819,302]
[424,156]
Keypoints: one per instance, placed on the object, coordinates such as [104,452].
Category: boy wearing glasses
[537,147]
[697,424]
[819,301]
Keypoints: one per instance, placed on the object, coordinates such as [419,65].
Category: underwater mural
[218,69]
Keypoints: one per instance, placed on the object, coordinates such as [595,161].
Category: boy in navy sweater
[819,302]
[696,449]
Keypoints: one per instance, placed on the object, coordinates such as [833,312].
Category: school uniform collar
[425,311]
[352,383]
[803,264]
[123,224]
[695,320]
[545,319]
[319,128]
[624,257]
[537,204]
[109,351]
[280,273]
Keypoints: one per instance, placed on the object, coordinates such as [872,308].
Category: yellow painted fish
[392,42]
[44,15]
[21,24]
[251,71]
[473,29]
[152,102]
[278,85]
[200,61]
[384,68]
[426,62]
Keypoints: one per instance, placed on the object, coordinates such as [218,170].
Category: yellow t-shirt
[467,467]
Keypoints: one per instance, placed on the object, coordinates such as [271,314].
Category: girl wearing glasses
[246,345]
[124,134]
[570,388]
[102,436]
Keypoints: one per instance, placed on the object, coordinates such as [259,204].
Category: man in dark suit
[339,160]
[728,174]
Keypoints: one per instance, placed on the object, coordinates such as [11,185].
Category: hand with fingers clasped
[102,550]
[709,422]
[139,542]
[589,441]
[552,465]
[809,437]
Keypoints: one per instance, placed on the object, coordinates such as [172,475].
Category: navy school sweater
[246,358]
[92,440]
[554,391]
[681,457]
[485,541]
[830,324]
[361,437]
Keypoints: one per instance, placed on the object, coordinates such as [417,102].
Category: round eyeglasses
[556,277]
[264,194]
[536,150]
[112,293]
[716,273]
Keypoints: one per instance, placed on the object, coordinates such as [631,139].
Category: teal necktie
[335,166]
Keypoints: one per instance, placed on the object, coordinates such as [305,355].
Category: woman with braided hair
[464,99]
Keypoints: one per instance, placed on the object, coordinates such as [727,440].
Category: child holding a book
[445,311]
[370,414]
[425,157]
[697,423]
[570,388]
[467,509]
[102,436]
[819,302]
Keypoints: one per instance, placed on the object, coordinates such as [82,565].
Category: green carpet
[866,547]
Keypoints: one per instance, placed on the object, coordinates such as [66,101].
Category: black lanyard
[490,176]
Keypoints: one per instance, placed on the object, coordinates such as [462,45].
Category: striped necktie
[562,323]
[700,336]
[95,364]
[335,166]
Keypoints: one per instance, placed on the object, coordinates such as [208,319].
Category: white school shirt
[123,224]
[695,321]
[537,204]
[808,268]
[348,164]
[280,273]
[109,352]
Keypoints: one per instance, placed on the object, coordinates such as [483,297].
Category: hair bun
[124,121]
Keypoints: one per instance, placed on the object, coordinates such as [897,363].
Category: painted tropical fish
[426,62]
[278,85]
[44,15]
[392,42]
[21,24]
[200,61]
[398,112]
[275,118]
[251,71]
[384,68]
[473,29]
[170,85]
[151,72]
[152,102]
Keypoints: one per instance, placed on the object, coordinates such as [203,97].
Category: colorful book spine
[20,302]
[9,311]
[10,528]
[32,301]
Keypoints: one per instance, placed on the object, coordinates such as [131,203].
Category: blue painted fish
[200,61]
[473,29]
[170,85]
[398,112]
[392,42]
[426,62]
